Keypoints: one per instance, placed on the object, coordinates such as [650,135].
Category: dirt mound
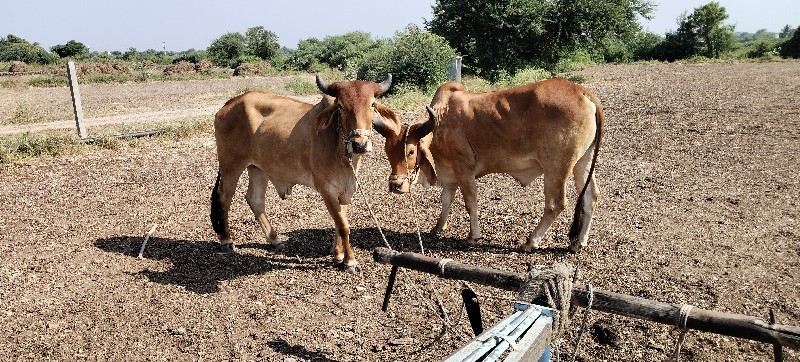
[247,69]
[19,67]
[103,68]
[203,66]
[179,68]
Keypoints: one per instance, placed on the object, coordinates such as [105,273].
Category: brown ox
[545,128]
[288,142]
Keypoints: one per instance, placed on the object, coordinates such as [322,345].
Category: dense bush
[227,49]
[71,49]
[192,56]
[415,58]
[307,56]
[15,48]
[791,47]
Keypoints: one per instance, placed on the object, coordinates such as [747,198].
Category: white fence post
[76,99]
[455,69]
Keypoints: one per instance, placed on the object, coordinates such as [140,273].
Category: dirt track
[698,206]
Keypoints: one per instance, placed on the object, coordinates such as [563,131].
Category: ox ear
[385,121]
[324,87]
[325,118]
[427,166]
[421,130]
[385,85]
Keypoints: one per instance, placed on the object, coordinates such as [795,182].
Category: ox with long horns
[288,142]
[551,128]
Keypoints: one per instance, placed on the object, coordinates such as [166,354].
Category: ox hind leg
[256,198]
[555,201]
[221,197]
[342,252]
[586,204]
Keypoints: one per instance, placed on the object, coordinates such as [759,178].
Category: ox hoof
[527,247]
[227,248]
[575,247]
[349,269]
[472,241]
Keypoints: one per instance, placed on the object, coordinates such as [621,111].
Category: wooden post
[728,324]
[76,99]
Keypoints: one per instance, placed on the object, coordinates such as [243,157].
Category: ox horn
[430,124]
[323,87]
[385,85]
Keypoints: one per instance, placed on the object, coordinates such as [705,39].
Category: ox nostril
[361,147]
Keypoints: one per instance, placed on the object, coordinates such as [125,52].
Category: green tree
[71,49]
[261,42]
[786,32]
[227,49]
[791,47]
[500,37]
[307,55]
[414,57]
[714,37]
[19,49]
[346,50]
[643,46]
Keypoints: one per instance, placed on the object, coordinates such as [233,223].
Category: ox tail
[580,214]
[216,208]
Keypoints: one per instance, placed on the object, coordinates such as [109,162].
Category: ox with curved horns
[550,128]
[288,142]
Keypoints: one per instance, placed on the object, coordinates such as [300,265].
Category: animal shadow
[198,266]
[281,346]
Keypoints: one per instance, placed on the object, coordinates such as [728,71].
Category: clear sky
[181,25]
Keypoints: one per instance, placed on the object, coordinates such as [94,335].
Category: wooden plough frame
[728,324]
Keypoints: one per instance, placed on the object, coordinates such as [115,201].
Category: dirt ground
[699,205]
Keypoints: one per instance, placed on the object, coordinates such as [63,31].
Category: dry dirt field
[699,205]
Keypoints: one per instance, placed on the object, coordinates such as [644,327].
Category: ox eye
[411,152]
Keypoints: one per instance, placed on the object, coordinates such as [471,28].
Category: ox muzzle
[358,142]
[399,184]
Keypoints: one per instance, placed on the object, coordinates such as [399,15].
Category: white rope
[369,205]
[680,323]
[442,263]
[584,323]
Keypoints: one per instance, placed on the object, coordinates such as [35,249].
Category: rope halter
[411,175]
[347,138]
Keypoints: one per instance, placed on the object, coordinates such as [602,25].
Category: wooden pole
[733,325]
[76,99]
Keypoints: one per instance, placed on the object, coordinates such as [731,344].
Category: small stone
[178,331]
[360,289]
[401,341]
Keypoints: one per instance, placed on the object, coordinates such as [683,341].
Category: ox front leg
[555,200]
[342,253]
[447,200]
[256,198]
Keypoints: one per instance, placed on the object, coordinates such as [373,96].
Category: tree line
[495,38]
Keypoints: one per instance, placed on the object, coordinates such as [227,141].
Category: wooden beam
[728,324]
